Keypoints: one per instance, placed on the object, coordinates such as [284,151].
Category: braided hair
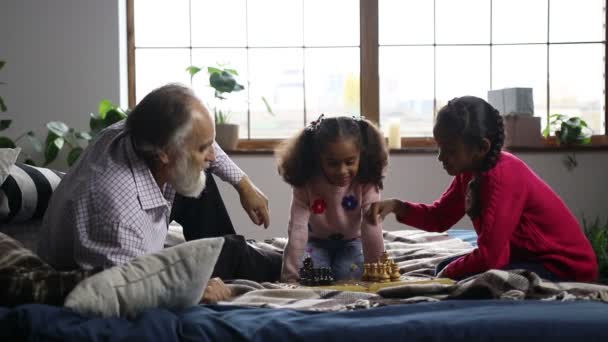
[472,119]
[298,158]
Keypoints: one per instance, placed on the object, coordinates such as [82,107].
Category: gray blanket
[417,253]
[493,284]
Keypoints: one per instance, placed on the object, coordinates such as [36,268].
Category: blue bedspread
[473,320]
[468,235]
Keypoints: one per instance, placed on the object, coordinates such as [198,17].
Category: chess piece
[383,274]
[366,271]
[307,272]
[395,274]
[374,274]
[384,258]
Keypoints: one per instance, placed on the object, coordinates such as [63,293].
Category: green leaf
[6,143]
[112,117]
[193,70]
[50,149]
[84,136]
[59,142]
[4,124]
[546,131]
[74,155]
[212,70]
[2,64]
[30,162]
[268,108]
[96,124]
[2,105]
[36,144]
[104,107]
[232,71]
[58,128]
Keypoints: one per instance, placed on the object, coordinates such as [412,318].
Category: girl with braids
[335,166]
[521,223]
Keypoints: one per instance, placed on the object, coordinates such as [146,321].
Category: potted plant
[597,234]
[569,131]
[223,81]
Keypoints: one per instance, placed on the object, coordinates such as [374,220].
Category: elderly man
[115,203]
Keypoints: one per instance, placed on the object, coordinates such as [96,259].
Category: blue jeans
[345,257]
[535,267]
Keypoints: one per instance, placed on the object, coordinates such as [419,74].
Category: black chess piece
[307,272]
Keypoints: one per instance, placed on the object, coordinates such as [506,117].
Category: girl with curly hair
[335,166]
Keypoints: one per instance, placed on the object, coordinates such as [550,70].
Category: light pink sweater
[329,210]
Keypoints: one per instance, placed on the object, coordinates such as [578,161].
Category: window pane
[161,23]
[157,67]
[462,70]
[331,23]
[406,88]
[275,22]
[219,23]
[519,21]
[277,75]
[405,22]
[463,21]
[576,20]
[522,66]
[235,103]
[577,82]
[332,82]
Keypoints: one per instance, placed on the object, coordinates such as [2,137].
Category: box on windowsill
[522,131]
[512,101]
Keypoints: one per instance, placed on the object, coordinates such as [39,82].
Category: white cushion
[174,279]
[8,157]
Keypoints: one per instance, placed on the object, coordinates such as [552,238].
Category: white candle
[394,134]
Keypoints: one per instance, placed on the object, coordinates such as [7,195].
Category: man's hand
[378,210]
[254,202]
[216,291]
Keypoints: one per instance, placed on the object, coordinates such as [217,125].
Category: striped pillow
[26,192]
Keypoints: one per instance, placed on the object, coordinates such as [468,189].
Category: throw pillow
[26,192]
[174,279]
[8,157]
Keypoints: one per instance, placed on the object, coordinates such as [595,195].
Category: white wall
[62,59]
[419,177]
[65,55]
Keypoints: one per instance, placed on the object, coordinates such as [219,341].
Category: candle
[394,133]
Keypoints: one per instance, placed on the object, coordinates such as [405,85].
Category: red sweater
[522,219]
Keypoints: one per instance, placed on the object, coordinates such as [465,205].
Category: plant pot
[227,136]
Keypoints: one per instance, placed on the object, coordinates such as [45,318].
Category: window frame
[370,83]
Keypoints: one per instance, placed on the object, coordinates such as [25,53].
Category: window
[301,56]
[305,56]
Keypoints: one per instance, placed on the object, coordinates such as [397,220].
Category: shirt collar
[148,192]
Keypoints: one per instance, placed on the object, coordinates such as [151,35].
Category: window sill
[427,146]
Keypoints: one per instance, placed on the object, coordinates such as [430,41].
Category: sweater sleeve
[442,214]
[371,235]
[503,198]
[298,235]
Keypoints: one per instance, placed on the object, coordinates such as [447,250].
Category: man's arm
[253,199]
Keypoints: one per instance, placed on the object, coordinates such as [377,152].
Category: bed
[419,318]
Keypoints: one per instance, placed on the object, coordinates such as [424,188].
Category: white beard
[187,180]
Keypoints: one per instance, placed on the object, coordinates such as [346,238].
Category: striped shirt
[108,209]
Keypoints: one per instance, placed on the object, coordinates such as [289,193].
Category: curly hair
[472,119]
[298,158]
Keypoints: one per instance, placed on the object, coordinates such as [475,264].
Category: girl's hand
[378,211]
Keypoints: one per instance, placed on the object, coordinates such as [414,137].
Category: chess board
[373,287]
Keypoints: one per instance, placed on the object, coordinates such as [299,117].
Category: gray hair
[162,120]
